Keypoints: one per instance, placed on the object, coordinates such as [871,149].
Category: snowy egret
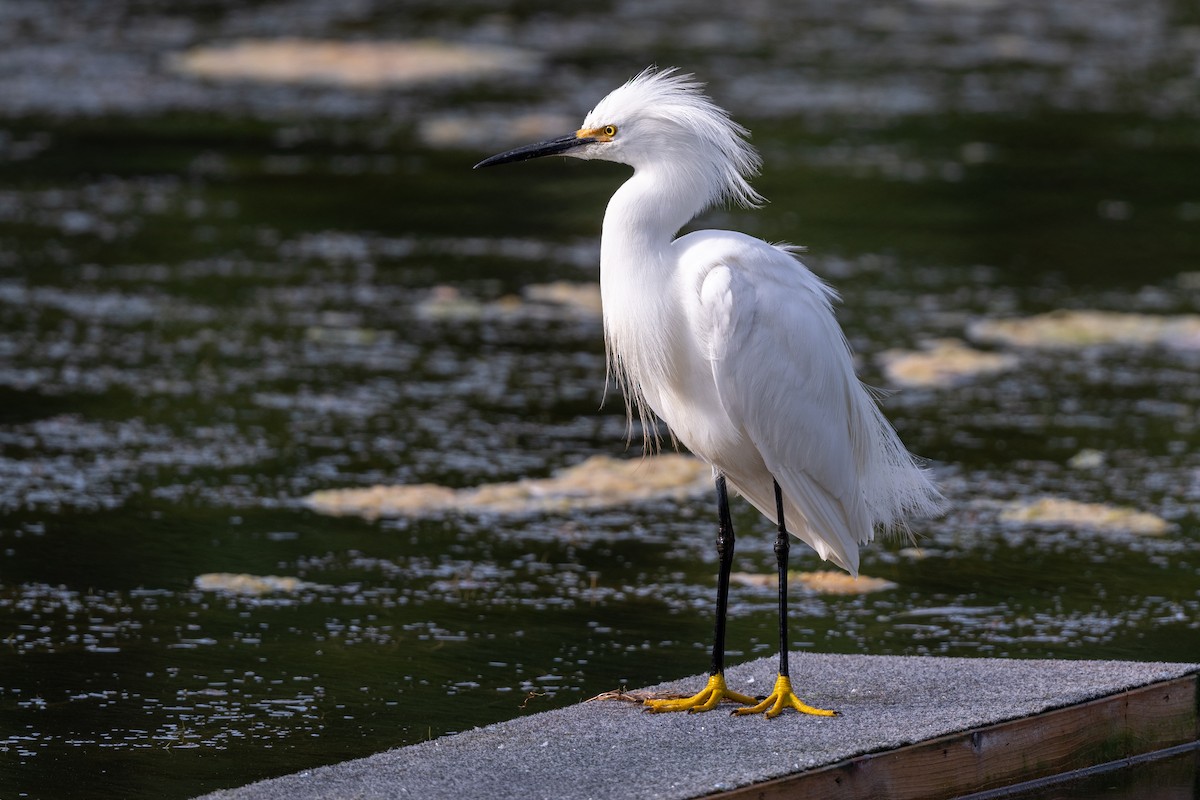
[733,343]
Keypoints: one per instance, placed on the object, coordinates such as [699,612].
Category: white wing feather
[784,376]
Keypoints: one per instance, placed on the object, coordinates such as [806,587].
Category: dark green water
[242,339]
[204,319]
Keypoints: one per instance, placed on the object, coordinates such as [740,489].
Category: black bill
[551,148]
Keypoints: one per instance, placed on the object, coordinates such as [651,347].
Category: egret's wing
[784,375]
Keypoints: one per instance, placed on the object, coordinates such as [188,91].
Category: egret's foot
[782,697]
[705,700]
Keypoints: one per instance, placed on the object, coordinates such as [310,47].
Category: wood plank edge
[1118,726]
[1080,774]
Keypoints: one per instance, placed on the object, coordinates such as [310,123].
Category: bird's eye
[610,130]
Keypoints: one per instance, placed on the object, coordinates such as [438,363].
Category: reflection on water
[205,320]
[1174,778]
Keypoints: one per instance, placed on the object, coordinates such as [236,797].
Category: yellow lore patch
[602,134]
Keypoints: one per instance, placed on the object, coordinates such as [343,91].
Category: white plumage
[733,341]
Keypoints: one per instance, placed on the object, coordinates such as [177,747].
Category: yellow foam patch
[243,583]
[1055,511]
[597,482]
[358,64]
[943,363]
[820,581]
[557,300]
[1067,329]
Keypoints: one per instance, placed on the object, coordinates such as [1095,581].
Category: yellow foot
[705,700]
[782,697]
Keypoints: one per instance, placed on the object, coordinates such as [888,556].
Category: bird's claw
[713,693]
[780,698]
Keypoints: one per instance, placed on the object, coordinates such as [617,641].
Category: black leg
[725,544]
[782,696]
[783,545]
[716,691]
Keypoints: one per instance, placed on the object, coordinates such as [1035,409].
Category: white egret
[733,343]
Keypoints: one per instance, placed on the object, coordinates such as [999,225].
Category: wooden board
[1127,724]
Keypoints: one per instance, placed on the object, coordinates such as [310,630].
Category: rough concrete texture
[612,749]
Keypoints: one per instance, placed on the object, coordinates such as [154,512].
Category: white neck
[636,270]
[647,210]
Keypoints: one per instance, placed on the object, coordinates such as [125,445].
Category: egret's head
[661,120]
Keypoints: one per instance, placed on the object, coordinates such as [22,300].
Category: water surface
[212,305]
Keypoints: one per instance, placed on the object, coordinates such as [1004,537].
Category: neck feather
[636,271]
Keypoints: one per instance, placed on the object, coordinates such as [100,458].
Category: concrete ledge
[979,722]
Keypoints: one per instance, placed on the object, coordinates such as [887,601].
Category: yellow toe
[706,699]
[782,697]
